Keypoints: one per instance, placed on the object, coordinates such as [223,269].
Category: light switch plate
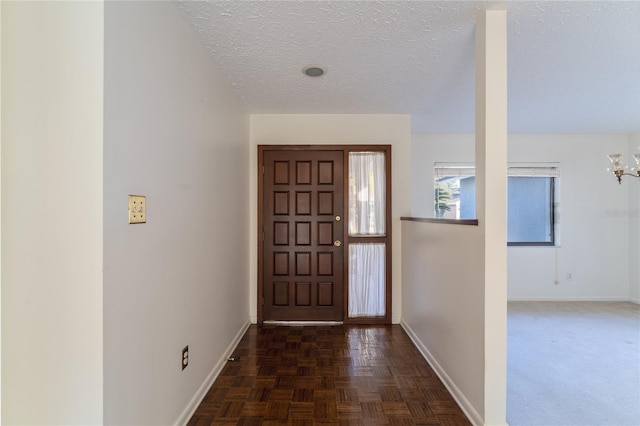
[137,209]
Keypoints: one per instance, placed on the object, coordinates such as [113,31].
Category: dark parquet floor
[327,375]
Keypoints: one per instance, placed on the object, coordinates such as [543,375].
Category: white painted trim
[1,211]
[634,300]
[569,299]
[213,375]
[462,401]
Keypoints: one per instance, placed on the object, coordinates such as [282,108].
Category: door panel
[302,267]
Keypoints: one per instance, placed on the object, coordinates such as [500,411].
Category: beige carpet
[573,363]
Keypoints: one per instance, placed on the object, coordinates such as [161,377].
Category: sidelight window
[367,189]
[367,232]
[366,280]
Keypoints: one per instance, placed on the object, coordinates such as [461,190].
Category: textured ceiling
[574,66]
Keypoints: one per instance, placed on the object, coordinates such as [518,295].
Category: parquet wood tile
[327,375]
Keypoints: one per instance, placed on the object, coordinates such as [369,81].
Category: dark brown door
[303,229]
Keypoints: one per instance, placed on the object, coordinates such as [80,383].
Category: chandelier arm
[620,173]
[631,174]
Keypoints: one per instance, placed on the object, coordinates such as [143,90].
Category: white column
[491,207]
[51,228]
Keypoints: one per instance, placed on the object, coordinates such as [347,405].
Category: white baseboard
[567,299]
[213,375]
[462,401]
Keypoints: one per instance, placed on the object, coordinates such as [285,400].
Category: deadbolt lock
[338,218]
[337,243]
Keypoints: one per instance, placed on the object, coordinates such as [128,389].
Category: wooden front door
[302,232]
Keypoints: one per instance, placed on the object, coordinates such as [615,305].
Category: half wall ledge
[472,222]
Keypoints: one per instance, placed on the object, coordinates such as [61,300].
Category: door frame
[387,239]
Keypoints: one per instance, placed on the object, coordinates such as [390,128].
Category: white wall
[634,224]
[175,132]
[52,107]
[443,305]
[454,275]
[394,130]
[593,235]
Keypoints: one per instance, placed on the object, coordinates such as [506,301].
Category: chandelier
[618,168]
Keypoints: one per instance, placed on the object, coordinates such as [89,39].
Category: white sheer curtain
[367,205]
[366,193]
[366,280]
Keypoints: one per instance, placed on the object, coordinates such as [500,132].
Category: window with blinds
[531,199]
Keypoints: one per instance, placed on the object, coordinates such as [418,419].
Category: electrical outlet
[137,209]
[185,357]
[569,276]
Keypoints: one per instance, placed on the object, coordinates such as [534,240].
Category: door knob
[337,243]
[338,218]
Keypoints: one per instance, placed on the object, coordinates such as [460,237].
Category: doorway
[324,233]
